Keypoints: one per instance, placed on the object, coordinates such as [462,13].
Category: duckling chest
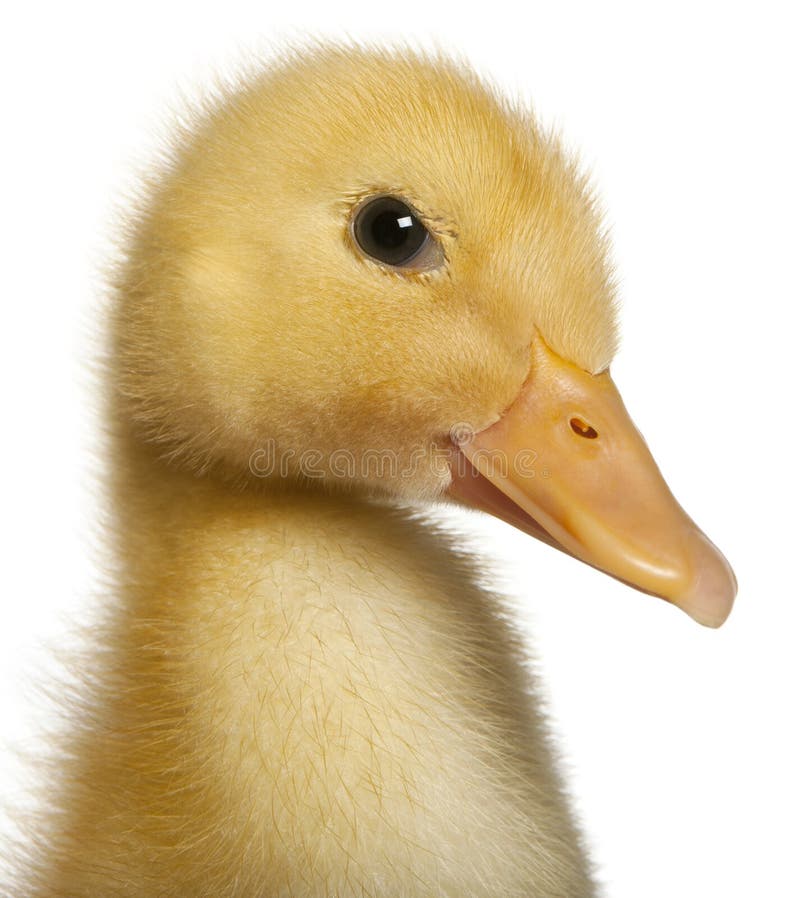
[367,713]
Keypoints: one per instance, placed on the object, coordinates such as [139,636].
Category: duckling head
[365,270]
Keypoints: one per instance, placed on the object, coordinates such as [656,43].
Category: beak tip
[711,623]
[710,599]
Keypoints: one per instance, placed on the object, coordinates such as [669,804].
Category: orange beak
[566,464]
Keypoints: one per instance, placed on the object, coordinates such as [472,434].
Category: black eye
[389,231]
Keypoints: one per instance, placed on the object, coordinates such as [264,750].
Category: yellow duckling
[363,283]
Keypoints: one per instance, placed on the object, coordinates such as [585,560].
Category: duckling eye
[388,230]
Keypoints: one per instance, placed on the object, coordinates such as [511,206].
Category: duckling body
[361,277]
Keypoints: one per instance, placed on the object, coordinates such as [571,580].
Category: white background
[680,744]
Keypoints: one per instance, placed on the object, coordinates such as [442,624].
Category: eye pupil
[388,230]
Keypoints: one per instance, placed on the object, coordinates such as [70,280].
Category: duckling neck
[313,687]
[177,524]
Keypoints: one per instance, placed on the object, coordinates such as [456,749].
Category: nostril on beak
[582,428]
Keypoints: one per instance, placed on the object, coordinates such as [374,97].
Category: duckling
[364,283]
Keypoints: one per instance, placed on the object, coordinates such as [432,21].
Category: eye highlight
[389,231]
